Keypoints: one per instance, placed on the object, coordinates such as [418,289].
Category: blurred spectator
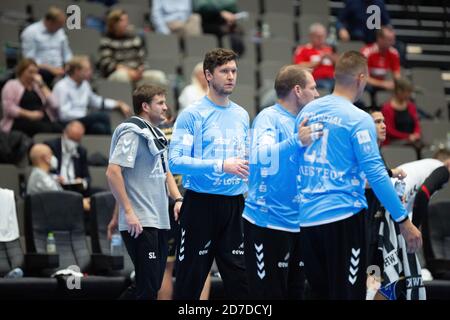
[72,157]
[196,89]
[219,18]
[40,180]
[175,16]
[382,59]
[400,113]
[28,105]
[122,53]
[46,42]
[74,95]
[318,56]
[42,160]
[352,20]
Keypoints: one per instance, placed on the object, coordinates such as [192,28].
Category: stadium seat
[434,132]
[10,178]
[102,208]
[98,178]
[397,155]
[280,26]
[61,212]
[277,49]
[436,235]
[197,46]
[97,143]
[162,45]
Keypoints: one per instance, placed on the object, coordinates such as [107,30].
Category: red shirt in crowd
[307,53]
[380,63]
[392,132]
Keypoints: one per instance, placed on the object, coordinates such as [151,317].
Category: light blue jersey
[332,169]
[205,135]
[272,200]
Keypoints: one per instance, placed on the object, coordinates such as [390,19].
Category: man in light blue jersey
[332,174]
[208,148]
[271,219]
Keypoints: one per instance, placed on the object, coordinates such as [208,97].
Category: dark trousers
[149,254]
[273,262]
[210,227]
[95,123]
[334,256]
[30,128]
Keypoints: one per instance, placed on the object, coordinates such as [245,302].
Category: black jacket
[80,163]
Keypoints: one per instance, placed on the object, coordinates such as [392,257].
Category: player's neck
[289,106]
[345,92]
[144,116]
[218,99]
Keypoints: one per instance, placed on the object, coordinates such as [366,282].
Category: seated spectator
[400,113]
[318,56]
[196,89]
[74,95]
[219,18]
[122,53]
[175,16]
[382,59]
[46,42]
[28,105]
[40,180]
[352,20]
[72,157]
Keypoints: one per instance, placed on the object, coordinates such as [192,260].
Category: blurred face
[309,93]
[86,70]
[318,37]
[157,109]
[403,95]
[387,41]
[223,80]
[121,26]
[29,73]
[378,118]
[53,26]
[75,132]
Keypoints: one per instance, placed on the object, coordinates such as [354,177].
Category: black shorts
[335,258]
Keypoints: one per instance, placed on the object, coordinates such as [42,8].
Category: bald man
[42,160]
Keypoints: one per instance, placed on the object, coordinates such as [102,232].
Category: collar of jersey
[280,108]
[216,105]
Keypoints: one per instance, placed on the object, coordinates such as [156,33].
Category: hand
[177,209]
[87,204]
[398,173]
[344,35]
[307,134]
[236,166]
[413,137]
[37,78]
[57,71]
[134,226]
[35,115]
[388,85]
[61,179]
[412,236]
[134,74]
[112,227]
[228,17]
[124,108]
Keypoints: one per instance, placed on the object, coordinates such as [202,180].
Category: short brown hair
[348,66]
[76,63]
[217,57]
[288,77]
[23,65]
[145,93]
[442,154]
[54,13]
[402,85]
[112,18]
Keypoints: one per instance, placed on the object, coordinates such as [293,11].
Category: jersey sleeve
[125,150]
[365,148]
[187,130]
